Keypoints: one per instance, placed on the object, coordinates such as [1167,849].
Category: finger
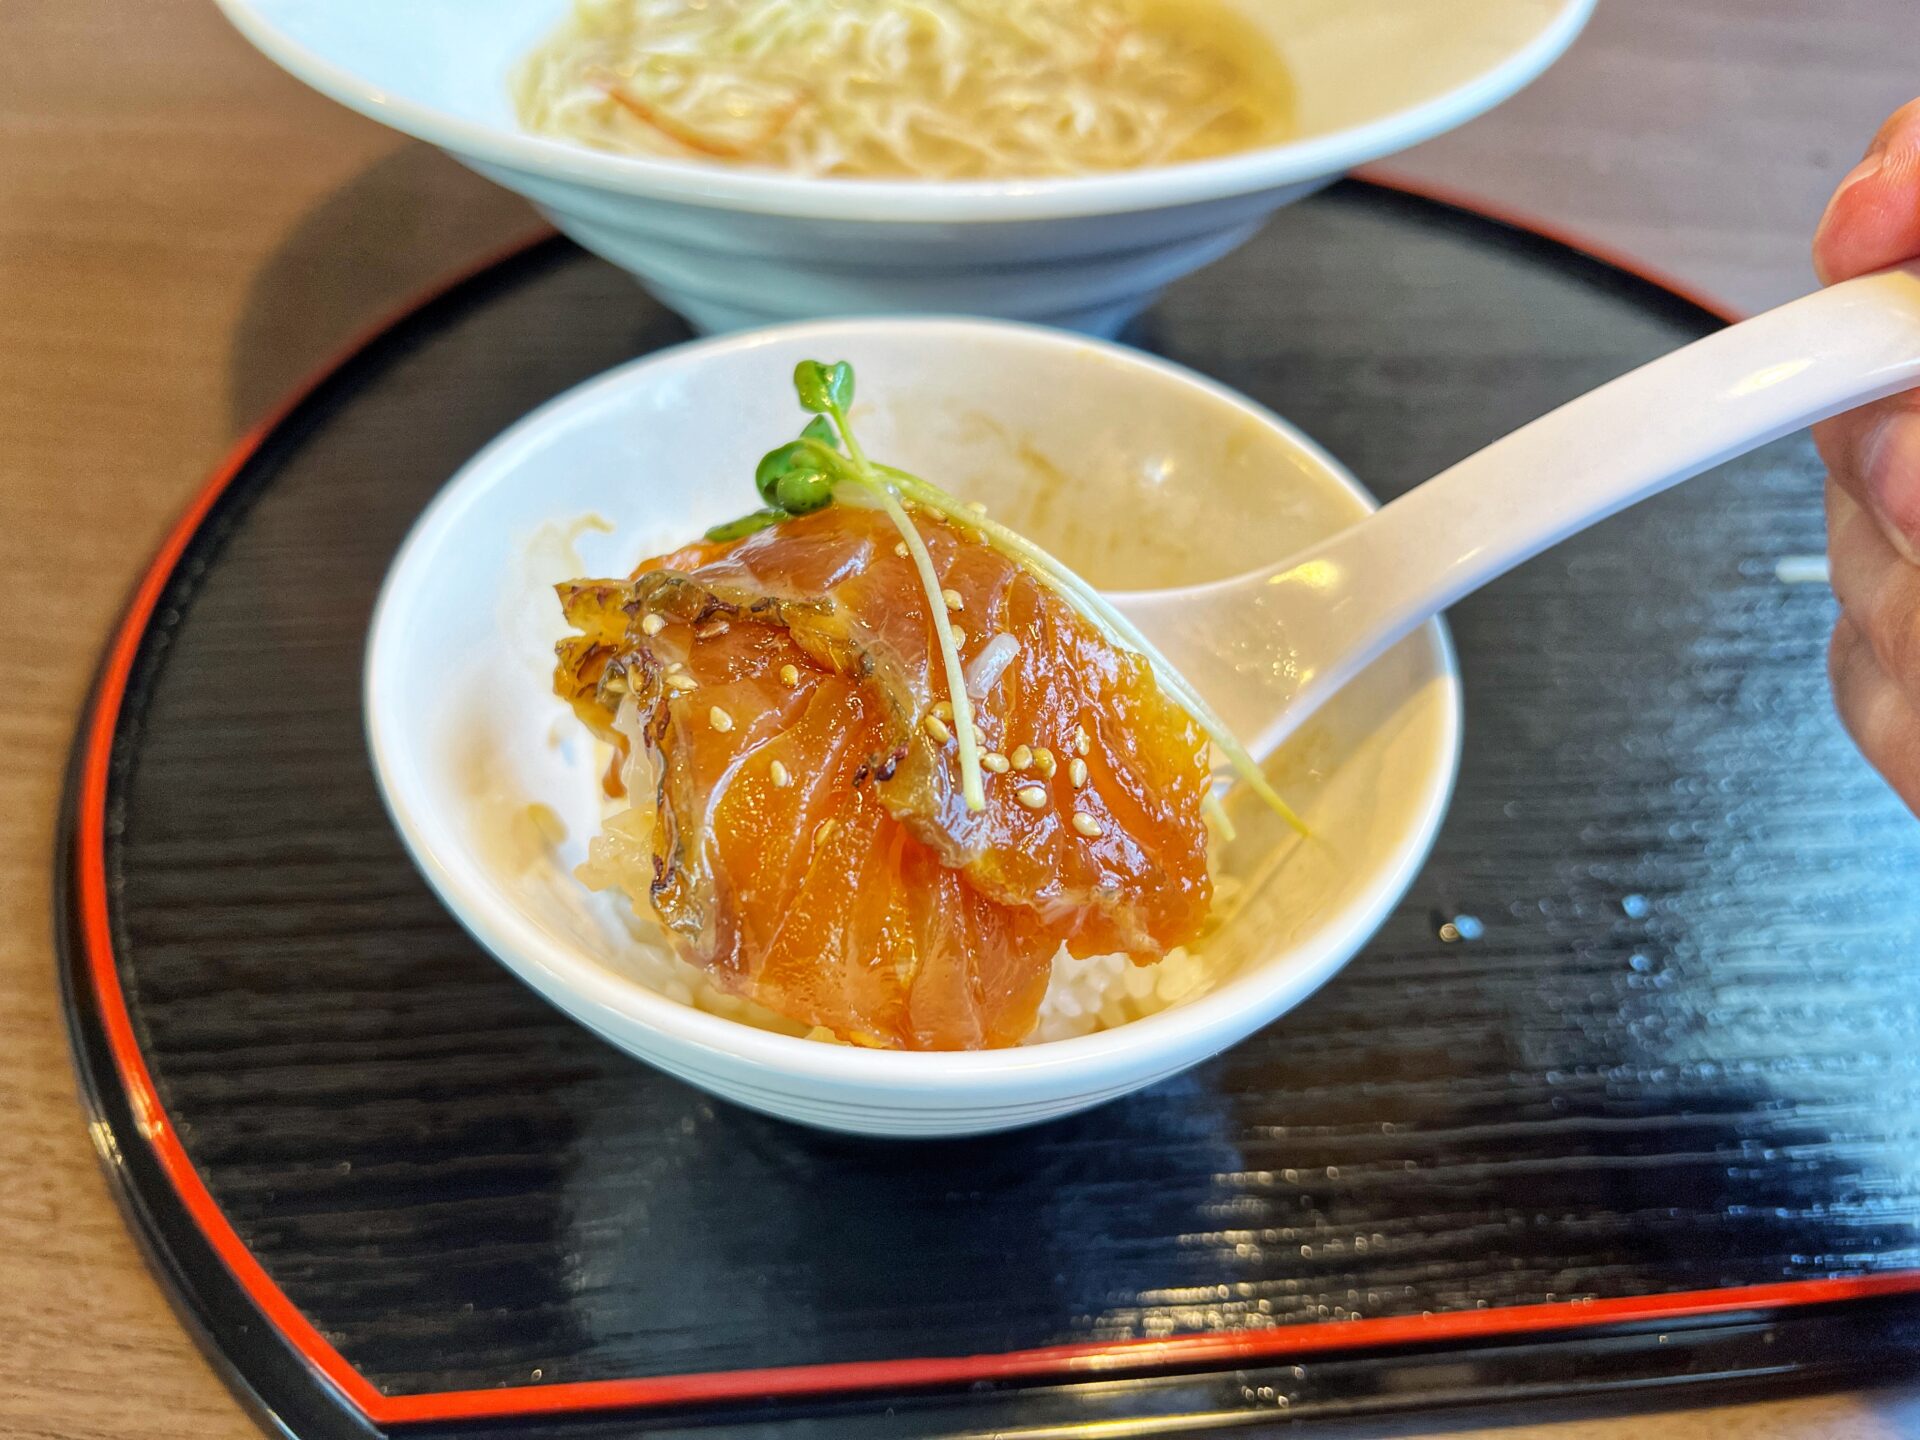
[1873,220]
[1879,717]
[1877,589]
[1873,454]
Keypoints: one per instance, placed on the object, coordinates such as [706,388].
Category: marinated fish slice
[1124,850]
[885,945]
[796,888]
[1133,868]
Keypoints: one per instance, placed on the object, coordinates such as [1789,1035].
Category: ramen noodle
[932,89]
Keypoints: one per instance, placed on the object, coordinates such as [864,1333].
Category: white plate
[1134,470]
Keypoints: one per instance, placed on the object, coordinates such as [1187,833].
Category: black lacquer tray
[1625,1093]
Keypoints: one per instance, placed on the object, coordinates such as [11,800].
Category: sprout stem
[972,784]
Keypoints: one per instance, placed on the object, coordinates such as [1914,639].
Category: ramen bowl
[729,247]
[494,785]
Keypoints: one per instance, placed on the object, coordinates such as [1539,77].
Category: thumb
[1873,220]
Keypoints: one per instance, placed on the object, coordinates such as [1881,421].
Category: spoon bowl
[1270,646]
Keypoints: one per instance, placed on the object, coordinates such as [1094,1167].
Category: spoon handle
[1654,427]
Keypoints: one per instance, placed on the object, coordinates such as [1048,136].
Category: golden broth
[933,89]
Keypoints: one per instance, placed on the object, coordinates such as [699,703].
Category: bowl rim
[880,201]
[613,1005]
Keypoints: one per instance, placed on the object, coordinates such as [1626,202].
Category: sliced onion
[986,668]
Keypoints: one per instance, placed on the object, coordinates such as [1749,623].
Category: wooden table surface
[184,232]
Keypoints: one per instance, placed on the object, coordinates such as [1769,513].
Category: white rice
[1103,991]
[1084,996]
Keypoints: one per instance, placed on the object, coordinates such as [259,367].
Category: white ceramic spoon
[1268,648]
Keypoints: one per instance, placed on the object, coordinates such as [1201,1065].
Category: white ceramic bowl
[731,247]
[1136,471]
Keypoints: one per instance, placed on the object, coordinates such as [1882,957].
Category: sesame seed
[993,760]
[944,709]
[1086,824]
[719,719]
[790,675]
[936,729]
[1022,758]
[1082,742]
[1077,772]
[959,636]
[781,779]
[1044,763]
[711,628]
[979,737]
[952,597]
[976,507]
[680,680]
[651,624]
[1034,797]
[900,548]
[823,830]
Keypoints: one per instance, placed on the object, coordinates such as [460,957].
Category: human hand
[1873,478]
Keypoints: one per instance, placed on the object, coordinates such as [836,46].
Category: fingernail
[1865,170]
